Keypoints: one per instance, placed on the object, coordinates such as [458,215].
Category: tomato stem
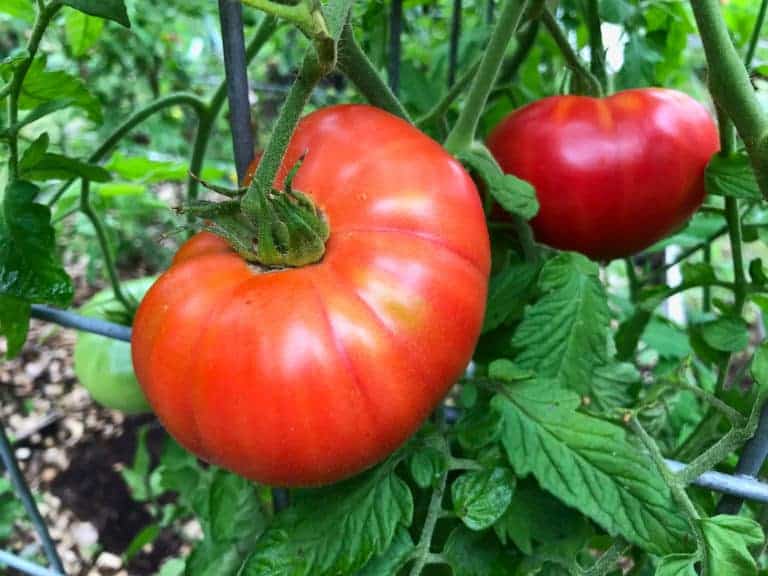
[731,86]
[591,83]
[356,66]
[422,553]
[106,253]
[753,40]
[463,132]
[596,48]
[44,16]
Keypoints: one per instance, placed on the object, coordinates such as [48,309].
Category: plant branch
[354,63]
[422,554]
[439,109]
[395,46]
[731,87]
[593,85]
[675,486]
[463,133]
[755,37]
[179,99]
[87,209]
[42,19]
[608,560]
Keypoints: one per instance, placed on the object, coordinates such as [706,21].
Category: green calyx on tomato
[612,175]
[305,376]
[276,228]
[103,365]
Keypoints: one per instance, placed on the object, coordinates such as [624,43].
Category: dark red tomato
[305,376]
[612,175]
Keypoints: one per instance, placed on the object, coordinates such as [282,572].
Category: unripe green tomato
[103,365]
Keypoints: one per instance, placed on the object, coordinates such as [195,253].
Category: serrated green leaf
[514,195]
[565,333]
[393,558]
[108,9]
[336,529]
[507,371]
[477,554]
[667,339]
[82,31]
[234,508]
[539,524]
[612,385]
[29,269]
[41,85]
[589,464]
[732,176]
[506,293]
[726,333]
[677,565]
[728,539]
[759,367]
[14,323]
[478,428]
[427,465]
[59,167]
[480,497]
[629,333]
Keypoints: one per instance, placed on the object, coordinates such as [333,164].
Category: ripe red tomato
[304,376]
[612,175]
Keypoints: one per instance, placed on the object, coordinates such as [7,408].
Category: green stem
[464,464]
[308,77]
[719,451]
[181,99]
[675,486]
[463,133]
[439,109]
[731,87]
[706,292]
[354,63]
[596,48]
[734,416]
[571,58]
[752,47]
[422,553]
[740,284]
[87,209]
[525,41]
[43,18]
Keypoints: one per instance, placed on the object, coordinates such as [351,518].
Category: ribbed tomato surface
[307,375]
[612,175]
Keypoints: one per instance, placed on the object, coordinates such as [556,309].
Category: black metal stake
[453,54]
[235,67]
[395,29]
[25,495]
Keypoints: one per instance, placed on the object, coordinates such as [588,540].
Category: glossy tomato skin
[103,365]
[612,175]
[306,376]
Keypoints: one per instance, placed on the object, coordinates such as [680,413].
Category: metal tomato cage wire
[736,488]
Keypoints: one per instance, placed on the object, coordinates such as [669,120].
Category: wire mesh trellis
[735,488]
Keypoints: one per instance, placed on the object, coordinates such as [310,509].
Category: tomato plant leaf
[589,464]
[428,461]
[22,9]
[732,176]
[727,334]
[108,9]
[29,269]
[336,529]
[477,554]
[34,152]
[82,31]
[677,565]
[514,195]
[565,333]
[480,497]
[393,558]
[14,323]
[728,539]
[506,293]
[59,167]
[14,60]
[540,525]
[612,385]
[41,85]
